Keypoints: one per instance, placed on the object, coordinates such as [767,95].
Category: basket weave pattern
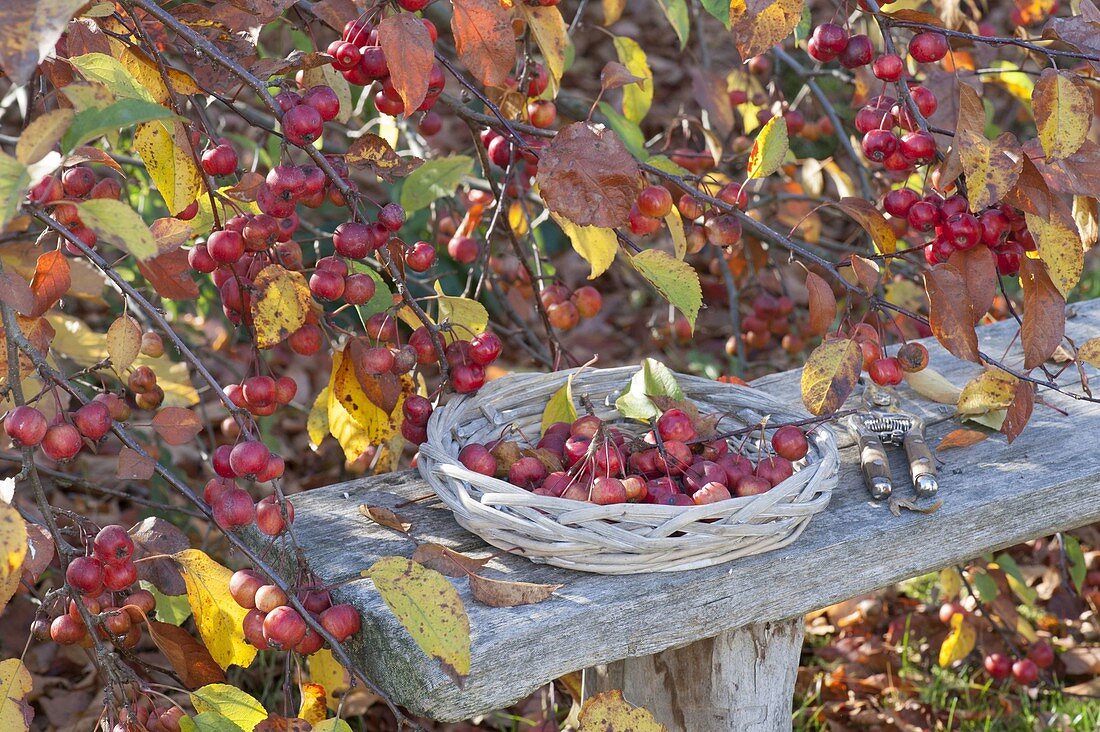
[622,538]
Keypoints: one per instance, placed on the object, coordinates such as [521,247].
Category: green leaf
[116,223]
[95,122]
[560,408]
[637,97]
[596,245]
[662,162]
[429,608]
[14,182]
[434,179]
[229,702]
[769,149]
[210,722]
[1016,580]
[653,379]
[174,609]
[985,586]
[1078,566]
[805,24]
[677,13]
[107,70]
[720,9]
[467,317]
[332,725]
[677,281]
[630,132]
[383,297]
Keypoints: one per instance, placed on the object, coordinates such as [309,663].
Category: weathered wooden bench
[718,648]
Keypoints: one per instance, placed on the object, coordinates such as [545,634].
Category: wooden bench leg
[741,680]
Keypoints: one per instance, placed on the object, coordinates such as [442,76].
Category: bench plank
[994,496]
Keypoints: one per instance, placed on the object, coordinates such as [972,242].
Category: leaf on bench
[502,593]
[429,608]
[385,517]
[609,712]
[447,561]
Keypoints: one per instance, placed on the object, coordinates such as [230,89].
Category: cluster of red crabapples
[64,438]
[361,60]
[953,228]
[1024,671]
[104,578]
[565,309]
[591,460]
[76,184]
[271,623]
[887,370]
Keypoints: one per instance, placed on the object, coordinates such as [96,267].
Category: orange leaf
[177,425]
[979,270]
[51,280]
[484,39]
[188,657]
[1019,412]
[405,40]
[961,438]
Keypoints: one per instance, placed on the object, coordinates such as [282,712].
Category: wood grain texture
[995,495]
[738,681]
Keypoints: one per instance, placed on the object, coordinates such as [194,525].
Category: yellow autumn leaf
[992,390]
[317,421]
[429,607]
[235,705]
[1089,352]
[13,550]
[15,685]
[325,670]
[280,304]
[312,708]
[637,97]
[517,218]
[769,149]
[1060,248]
[467,317]
[675,226]
[353,419]
[123,342]
[959,642]
[760,27]
[560,408]
[164,149]
[610,712]
[40,136]
[830,374]
[1063,112]
[992,167]
[950,582]
[595,245]
[548,28]
[612,11]
[218,617]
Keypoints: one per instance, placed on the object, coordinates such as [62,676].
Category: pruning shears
[881,422]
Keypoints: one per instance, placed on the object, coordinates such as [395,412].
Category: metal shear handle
[873,431]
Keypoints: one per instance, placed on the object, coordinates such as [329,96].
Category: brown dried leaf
[589,177]
[132,465]
[28,32]
[709,90]
[177,425]
[1044,313]
[383,390]
[170,233]
[188,657]
[386,517]
[170,275]
[17,294]
[506,454]
[85,154]
[154,537]
[484,39]
[1078,31]
[1031,193]
[951,314]
[502,593]
[1019,412]
[371,151]
[295,61]
[447,561]
[51,280]
[822,304]
[971,117]
[979,270]
[961,438]
[404,38]
[40,334]
[614,75]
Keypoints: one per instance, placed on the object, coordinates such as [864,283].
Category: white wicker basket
[624,538]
